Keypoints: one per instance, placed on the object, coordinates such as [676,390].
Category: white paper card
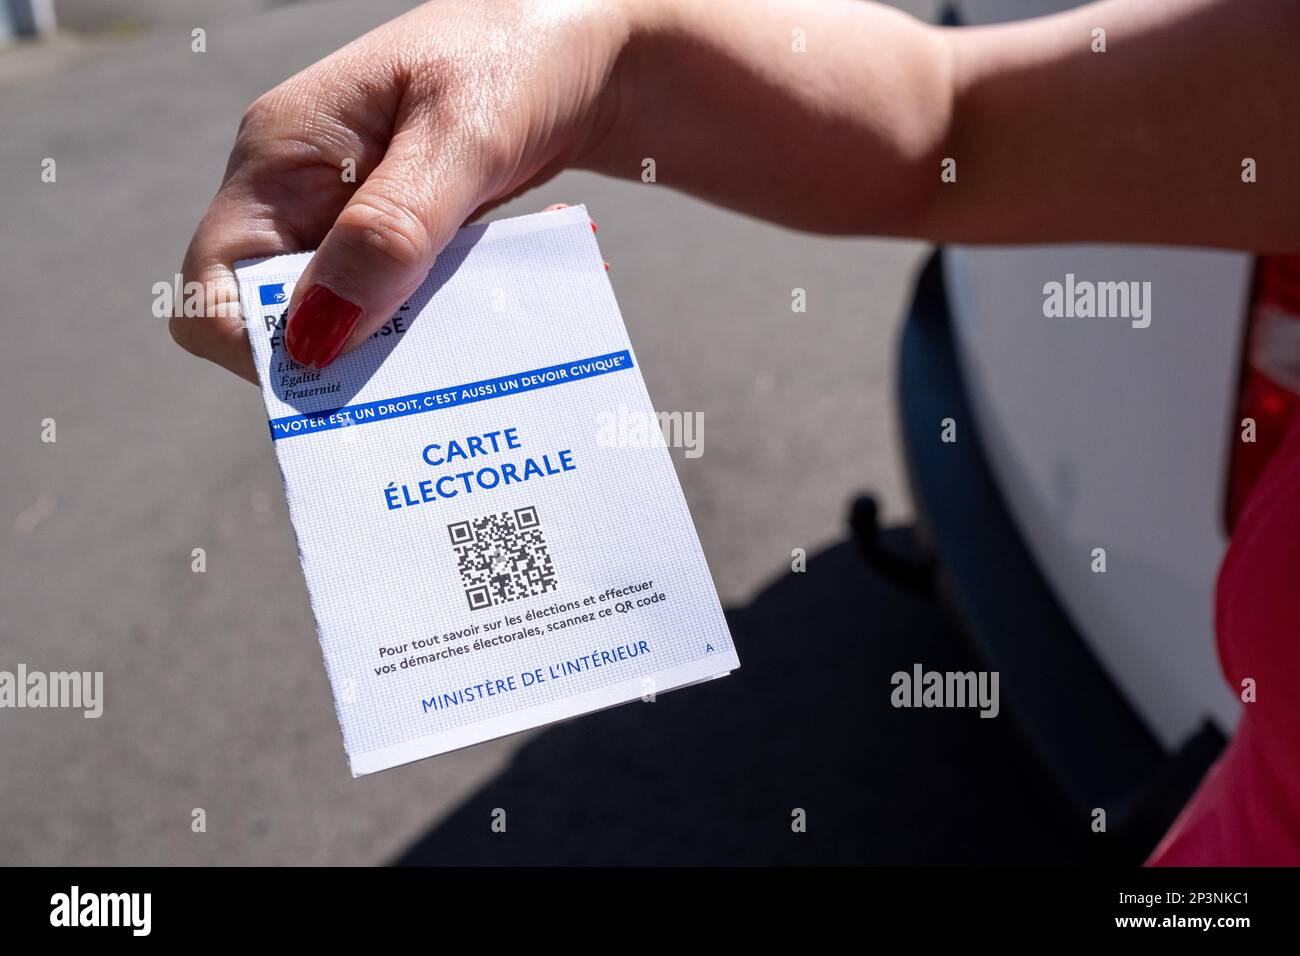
[490,526]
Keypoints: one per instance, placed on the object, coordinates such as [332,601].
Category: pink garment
[1246,811]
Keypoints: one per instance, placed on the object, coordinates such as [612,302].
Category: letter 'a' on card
[480,557]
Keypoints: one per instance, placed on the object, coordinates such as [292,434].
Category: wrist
[639,30]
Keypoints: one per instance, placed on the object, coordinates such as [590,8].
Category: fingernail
[320,326]
[557,206]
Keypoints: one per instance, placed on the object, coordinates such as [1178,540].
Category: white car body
[1103,435]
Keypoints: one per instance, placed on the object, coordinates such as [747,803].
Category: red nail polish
[320,326]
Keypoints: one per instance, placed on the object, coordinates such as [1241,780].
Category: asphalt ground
[215,697]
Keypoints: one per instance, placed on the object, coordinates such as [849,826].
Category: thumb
[379,250]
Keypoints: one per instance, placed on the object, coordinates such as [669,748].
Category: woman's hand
[378,153]
[829,115]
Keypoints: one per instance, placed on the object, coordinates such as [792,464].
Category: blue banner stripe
[347,416]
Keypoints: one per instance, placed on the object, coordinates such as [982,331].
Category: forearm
[1051,141]
[837,131]
[1142,143]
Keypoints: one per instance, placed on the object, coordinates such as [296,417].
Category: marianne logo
[275,293]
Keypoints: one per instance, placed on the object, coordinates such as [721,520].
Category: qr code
[502,557]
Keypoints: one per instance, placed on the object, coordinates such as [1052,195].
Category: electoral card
[488,545]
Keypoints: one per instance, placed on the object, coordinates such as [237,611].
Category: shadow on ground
[711,774]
